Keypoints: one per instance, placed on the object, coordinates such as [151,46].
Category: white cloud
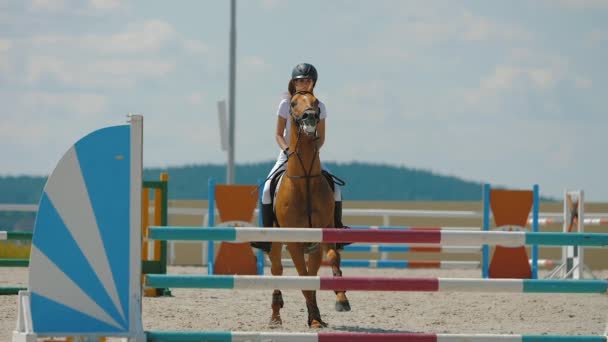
[444,26]
[144,38]
[147,36]
[35,111]
[254,63]
[5,47]
[196,98]
[504,77]
[508,80]
[597,38]
[107,4]
[112,60]
[365,103]
[543,78]
[72,104]
[48,5]
[580,4]
[195,47]
[478,28]
[133,68]
[525,71]
[76,7]
[583,83]
[105,73]
[270,4]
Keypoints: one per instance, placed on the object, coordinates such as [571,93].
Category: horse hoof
[342,306]
[317,324]
[275,322]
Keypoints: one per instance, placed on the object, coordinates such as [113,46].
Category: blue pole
[211,215]
[260,252]
[535,207]
[485,251]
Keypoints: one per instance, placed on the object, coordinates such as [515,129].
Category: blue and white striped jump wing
[85,210]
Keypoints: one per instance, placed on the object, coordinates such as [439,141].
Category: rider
[303,78]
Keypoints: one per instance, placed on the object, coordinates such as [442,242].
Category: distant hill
[364,181]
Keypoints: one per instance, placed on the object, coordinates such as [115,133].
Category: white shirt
[283,111]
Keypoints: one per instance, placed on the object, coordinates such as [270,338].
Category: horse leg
[276,268]
[333,258]
[313,263]
[314,316]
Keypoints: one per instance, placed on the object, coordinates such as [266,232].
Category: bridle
[307,124]
[310,117]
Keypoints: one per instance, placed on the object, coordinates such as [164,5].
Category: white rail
[386,214]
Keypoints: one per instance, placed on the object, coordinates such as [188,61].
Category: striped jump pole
[589,221]
[331,235]
[432,264]
[13,262]
[10,291]
[415,227]
[371,263]
[6,235]
[376,248]
[256,282]
[400,264]
[14,236]
[231,336]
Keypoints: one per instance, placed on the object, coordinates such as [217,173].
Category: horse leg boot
[276,268]
[267,213]
[333,258]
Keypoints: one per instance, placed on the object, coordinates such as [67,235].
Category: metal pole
[231,109]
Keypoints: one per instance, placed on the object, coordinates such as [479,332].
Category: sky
[509,93]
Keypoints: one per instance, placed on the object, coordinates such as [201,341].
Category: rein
[307,173]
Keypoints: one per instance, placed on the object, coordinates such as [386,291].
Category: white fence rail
[385,214]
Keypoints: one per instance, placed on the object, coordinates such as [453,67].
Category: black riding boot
[267,221]
[338,222]
[338,214]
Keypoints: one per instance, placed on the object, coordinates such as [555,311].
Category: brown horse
[305,199]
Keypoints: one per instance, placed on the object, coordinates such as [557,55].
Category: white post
[137,141]
[572,256]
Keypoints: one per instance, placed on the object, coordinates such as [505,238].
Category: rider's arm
[321,132]
[281,123]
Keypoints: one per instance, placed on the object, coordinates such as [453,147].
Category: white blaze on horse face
[308,128]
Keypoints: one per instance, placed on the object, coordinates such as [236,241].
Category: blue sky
[509,93]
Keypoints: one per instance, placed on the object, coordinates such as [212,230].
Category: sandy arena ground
[459,313]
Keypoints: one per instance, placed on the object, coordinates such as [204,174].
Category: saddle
[331,179]
[276,178]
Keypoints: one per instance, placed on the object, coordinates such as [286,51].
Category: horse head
[305,112]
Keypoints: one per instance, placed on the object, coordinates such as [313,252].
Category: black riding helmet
[304,70]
